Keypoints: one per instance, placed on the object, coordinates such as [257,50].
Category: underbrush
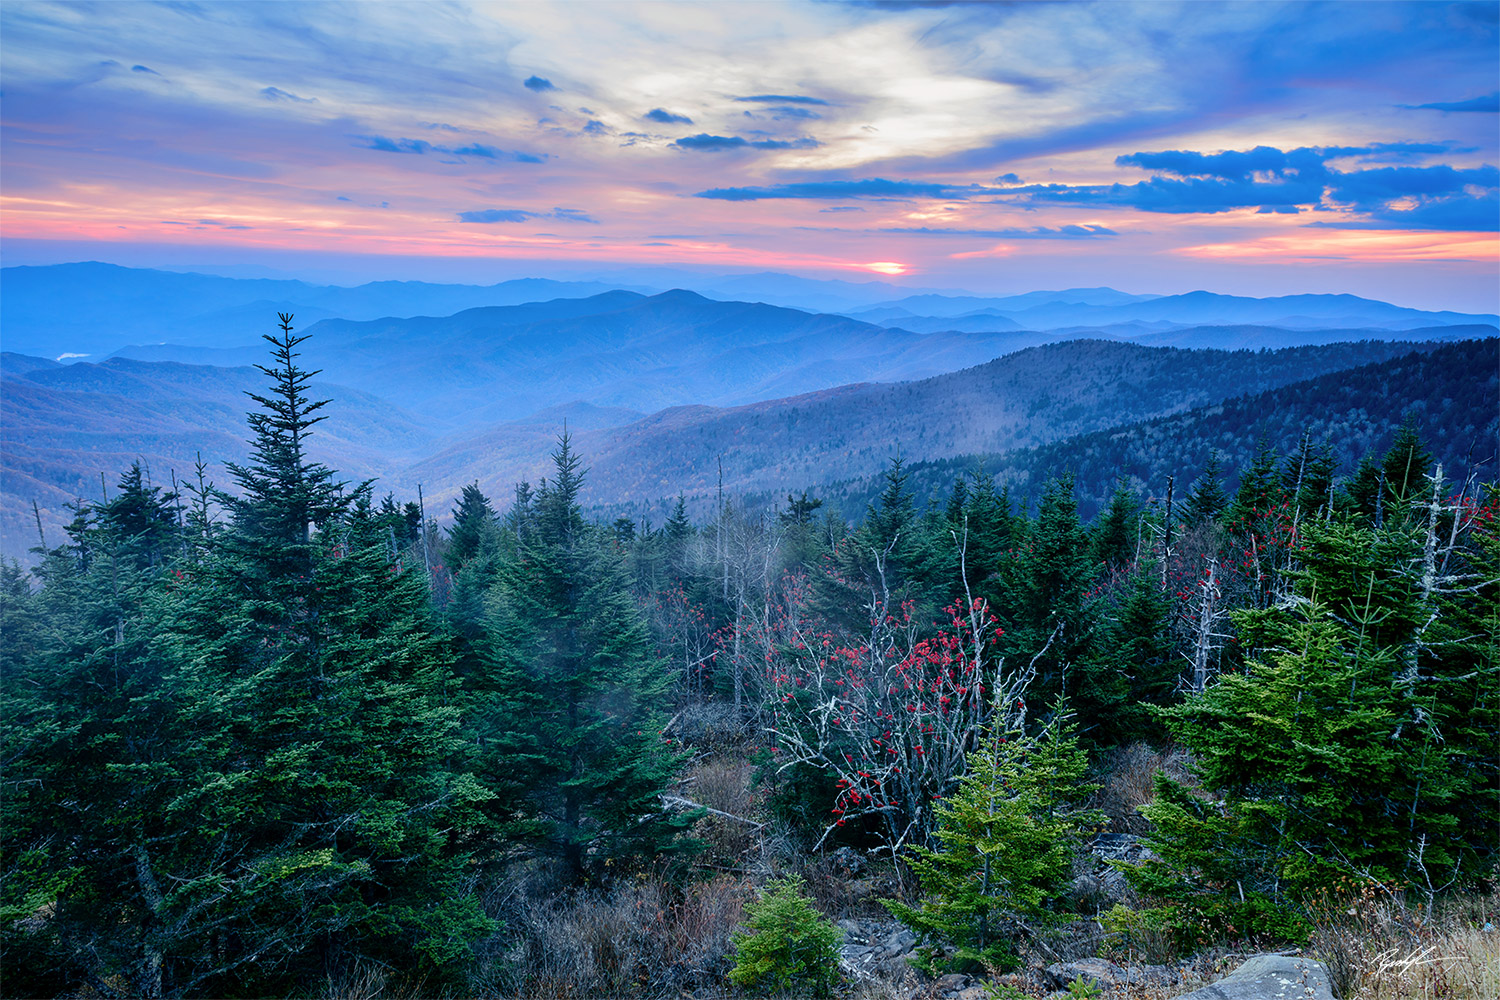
[1127,781]
[642,938]
[1378,947]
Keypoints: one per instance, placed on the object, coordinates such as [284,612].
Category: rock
[851,862]
[900,942]
[1269,977]
[951,983]
[1104,972]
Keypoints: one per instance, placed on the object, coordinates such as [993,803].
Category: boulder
[951,984]
[1105,973]
[1269,977]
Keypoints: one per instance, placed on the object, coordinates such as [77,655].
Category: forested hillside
[1026,399]
[1339,418]
[282,735]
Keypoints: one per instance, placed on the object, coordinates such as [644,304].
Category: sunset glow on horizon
[1149,146]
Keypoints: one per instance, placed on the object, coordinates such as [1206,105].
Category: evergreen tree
[1307,476]
[253,773]
[473,527]
[1006,841]
[1347,749]
[1406,463]
[1208,501]
[283,494]
[1259,491]
[141,521]
[571,727]
[787,942]
[1131,667]
[1115,530]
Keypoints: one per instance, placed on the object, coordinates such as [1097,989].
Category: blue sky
[1257,148]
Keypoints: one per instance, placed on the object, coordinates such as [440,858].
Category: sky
[1257,148]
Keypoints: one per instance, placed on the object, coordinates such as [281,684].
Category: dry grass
[641,939]
[724,783]
[1127,781]
[372,981]
[1376,947]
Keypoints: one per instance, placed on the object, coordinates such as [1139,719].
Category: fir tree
[1208,501]
[1005,839]
[1406,463]
[1115,530]
[473,527]
[787,943]
[572,728]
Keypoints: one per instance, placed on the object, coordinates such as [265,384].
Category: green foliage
[567,705]
[1084,989]
[1005,844]
[473,527]
[238,768]
[788,944]
[1208,501]
[1348,748]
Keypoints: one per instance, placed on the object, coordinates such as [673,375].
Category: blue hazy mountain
[615,350]
[1090,308]
[95,309]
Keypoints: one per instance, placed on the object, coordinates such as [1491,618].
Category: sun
[886,267]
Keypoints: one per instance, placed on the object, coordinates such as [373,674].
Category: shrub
[789,943]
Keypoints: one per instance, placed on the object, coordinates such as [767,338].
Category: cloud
[1068,232]
[1229,165]
[666,117]
[782,99]
[703,142]
[1274,181]
[488,215]
[491,215]
[385,144]
[870,187]
[842,208]
[1482,103]
[144,69]
[798,114]
[421,147]
[277,94]
[538,84]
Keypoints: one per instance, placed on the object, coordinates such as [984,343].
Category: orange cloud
[998,250]
[1360,245]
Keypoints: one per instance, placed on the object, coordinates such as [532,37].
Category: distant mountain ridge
[1025,399]
[95,309]
[929,313]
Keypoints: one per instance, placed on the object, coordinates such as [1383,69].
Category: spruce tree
[314,794]
[1114,531]
[572,727]
[1406,463]
[473,527]
[1208,501]
[1348,748]
[1006,840]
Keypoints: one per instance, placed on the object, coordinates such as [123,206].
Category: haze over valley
[658,387]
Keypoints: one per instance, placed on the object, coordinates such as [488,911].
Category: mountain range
[92,309]
[658,388]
